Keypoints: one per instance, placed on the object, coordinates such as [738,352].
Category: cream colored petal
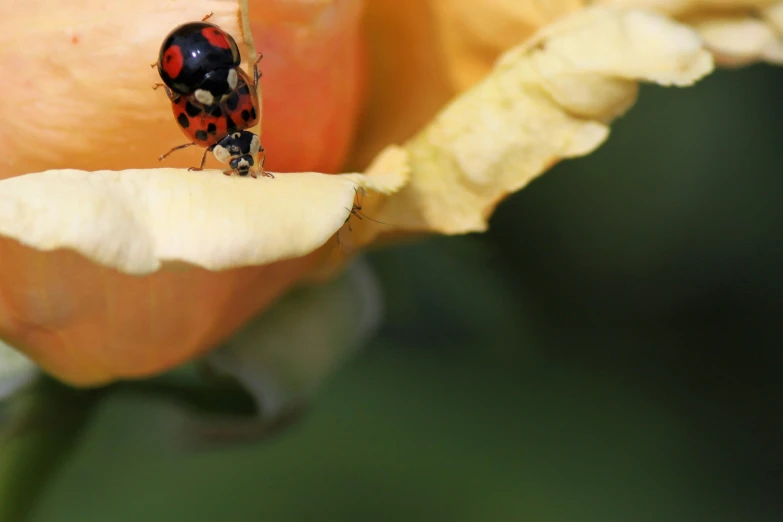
[78,82]
[137,220]
[549,99]
[741,40]
[737,32]
[679,8]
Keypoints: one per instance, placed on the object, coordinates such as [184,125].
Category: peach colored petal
[313,79]
[473,35]
[408,76]
[89,325]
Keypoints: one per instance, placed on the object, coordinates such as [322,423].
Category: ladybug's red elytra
[205,125]
[199,59]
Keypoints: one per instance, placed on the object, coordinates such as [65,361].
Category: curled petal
[684,8]
[737,32]
[548,99]
[135,221]
[738,40]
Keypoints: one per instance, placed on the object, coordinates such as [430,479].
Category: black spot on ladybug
[243,89]
[192,110]
[246,115]
[232,102]
[183,120]
[212,128]
[201,135]
[252,113]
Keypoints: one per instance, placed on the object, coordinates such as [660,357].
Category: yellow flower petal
[136,220]
[741,40]
[81,95]
[737,32]
[549,99]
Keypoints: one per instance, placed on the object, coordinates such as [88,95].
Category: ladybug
[205,125]
[238,150]
[199,59]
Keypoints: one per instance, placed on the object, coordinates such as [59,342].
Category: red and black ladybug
[205,125]
[217,123]
[212,126]
[199,59]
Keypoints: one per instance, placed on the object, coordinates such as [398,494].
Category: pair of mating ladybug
[213,100]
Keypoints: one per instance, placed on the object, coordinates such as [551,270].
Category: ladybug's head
[238,150]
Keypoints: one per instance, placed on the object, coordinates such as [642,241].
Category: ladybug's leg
[154,64]
[207,17]
[203,160]
[261,167]
[170,94]
[256,72]
[175,149]
[228,172]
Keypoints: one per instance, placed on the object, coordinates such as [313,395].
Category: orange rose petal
[408,76]
[89,325]
[473,37]
[313,80]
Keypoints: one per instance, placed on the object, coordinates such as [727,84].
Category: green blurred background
[610,351]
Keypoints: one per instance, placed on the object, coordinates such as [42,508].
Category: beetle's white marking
[221,154]
[205,97]
[232,79]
